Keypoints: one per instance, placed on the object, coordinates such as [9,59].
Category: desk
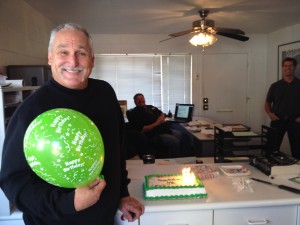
[203,140]
[224,205]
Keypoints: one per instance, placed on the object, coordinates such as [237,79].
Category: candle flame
[188,177]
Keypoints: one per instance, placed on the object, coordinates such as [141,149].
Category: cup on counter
[148,159]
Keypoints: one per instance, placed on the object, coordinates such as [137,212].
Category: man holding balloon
[63,159]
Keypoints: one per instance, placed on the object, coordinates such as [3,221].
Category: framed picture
[291,49]
[123,105]
[124,109]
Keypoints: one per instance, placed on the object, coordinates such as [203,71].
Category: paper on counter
[208,131]
[198,123]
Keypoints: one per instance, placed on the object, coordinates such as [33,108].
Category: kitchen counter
[265,203]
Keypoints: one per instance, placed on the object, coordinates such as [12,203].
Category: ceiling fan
[207,27]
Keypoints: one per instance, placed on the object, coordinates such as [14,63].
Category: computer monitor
[183,112]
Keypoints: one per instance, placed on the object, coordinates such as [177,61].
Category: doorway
[225,84]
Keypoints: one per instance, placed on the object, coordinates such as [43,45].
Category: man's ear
[49,58]
[93,61]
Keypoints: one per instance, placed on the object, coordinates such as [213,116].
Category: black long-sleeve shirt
[43,203]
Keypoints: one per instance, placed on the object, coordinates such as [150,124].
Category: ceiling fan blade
[181,33]
[234,36]
[208,26]
[167,39]
[229,30]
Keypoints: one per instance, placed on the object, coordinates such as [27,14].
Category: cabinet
[197,217]
[119,221]
[276,215]
[14,219]
[224,204]
[236,144]
[10,98]
[298,217]
[262,215]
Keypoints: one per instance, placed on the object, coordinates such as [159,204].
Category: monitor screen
[184,112]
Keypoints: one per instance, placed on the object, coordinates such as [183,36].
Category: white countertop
[221,191]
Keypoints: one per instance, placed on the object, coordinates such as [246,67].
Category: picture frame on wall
[291,49]
[123,106]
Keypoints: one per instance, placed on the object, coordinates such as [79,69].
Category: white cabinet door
[298,217]
[12,222]
[119,221]
[203,217]
[281,215]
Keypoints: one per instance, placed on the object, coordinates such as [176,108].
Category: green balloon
[64,148]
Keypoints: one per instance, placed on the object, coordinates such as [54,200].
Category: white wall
[24,34]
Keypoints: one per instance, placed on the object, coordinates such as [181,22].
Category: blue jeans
[172,142]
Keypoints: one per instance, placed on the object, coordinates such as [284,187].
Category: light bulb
[204,39]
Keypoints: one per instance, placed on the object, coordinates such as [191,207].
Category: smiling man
[283,106]
[71,58]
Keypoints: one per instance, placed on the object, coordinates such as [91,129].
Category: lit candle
[188,177]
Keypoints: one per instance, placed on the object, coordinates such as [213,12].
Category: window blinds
[163,79]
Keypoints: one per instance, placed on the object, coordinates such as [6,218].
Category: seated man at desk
[150,120]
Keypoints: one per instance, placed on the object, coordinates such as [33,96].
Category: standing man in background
[283,106]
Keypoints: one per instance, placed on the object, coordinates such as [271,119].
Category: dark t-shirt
[285,98]
[143,116]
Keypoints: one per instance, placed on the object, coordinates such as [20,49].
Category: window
[163,79]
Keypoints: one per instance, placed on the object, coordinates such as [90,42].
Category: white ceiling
[169,16]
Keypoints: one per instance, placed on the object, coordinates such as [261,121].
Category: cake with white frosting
[173,186]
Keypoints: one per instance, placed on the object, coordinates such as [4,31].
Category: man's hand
[161,119]
[273,116]
[131,208]
[88,195]
[268,109]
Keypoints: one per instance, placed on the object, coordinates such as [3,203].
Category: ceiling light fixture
[203,38]
[204,34]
